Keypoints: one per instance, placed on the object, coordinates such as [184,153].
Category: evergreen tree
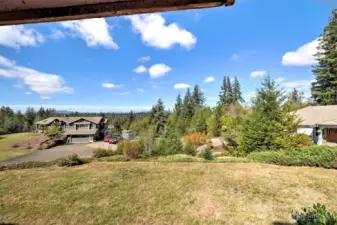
[198,96]
[223,96]
[214,122]
[296,97]
[188,106]
[230,98]
[324,89]
[158,117]
[131,118]
[270,124]
[30,118]
[237,95]
[41,114]
[178,105]
[198,123]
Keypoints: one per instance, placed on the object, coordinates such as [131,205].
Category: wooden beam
[38,11]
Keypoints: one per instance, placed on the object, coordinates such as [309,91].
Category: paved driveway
[51,154]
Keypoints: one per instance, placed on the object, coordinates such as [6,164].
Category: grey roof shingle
[313,115]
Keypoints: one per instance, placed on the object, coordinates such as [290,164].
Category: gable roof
[312,115]
[72,119]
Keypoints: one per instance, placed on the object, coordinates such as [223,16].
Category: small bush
[63,162]
[165,146]
[71,160]
[316,156]
[131,149]
[189,149]
[27,165]
[196,138]
[100,153]
[207,154]
[317,215]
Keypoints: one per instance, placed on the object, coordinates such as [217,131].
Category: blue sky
[127,63]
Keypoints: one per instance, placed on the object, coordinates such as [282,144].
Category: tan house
[77,129]
[319,122]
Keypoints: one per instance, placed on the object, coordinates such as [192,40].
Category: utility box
[128,134]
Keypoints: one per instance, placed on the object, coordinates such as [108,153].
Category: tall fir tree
[230,98]
[188,106]
[270,125]
[198,96]
[30,118]
[223,96]
[237,94]
[178,105]
[324,89]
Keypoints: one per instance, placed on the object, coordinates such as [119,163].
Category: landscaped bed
[163,193]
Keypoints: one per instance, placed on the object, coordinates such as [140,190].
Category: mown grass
[6,141]
[163,193]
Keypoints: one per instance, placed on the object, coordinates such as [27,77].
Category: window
[82,126]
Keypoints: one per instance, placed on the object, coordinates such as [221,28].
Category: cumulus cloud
[28,93]
[159,70]
[19,85]
[95,32]
[17,36]
[140,90]
[41,83]
[279,80]
[140,69]
[303,56]
[209,79]
[301,85]
[111,85]
[144,59]
[154,32]
[57,35]
[258,73]
[181,86]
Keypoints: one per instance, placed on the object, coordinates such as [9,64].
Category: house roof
[312,115]
[72,119]
[81,132]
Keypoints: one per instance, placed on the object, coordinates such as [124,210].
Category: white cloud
[159,70]
[209,79]
[28,93]
[87,108]
[155,33]
[120,93]
[95,32]
[258,73]
[17,36]
[279,80]
[300,85]
[140,90]
[181,86]
[45,97]
[111,85]
[6,62]
[57,35]
[144,59]
[235,57]
[42,83]
[140,69]
[303,56]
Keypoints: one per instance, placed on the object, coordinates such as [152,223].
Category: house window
[82,126]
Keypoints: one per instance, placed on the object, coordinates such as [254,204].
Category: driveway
[51,154]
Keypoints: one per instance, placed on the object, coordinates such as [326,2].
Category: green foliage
[53,130]
[168,146]
[147,146]
[207,154]
[27,165]
[237,94]
[72,160]
[317,215]
[158,118]
[315,156]
[214,122]
[324,88]
[100,153]
[131,149]
[198,96]
[270,124]
[198,122]
[189,149]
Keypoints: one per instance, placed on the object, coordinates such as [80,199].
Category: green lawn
[7,140]
[163,193]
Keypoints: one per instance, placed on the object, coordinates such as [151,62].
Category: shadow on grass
[282,223]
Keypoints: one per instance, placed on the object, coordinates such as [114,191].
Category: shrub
[189,149]
[317,215]
[99,153]
[166,146]
[196,138]
[317,156]
[119,150]
[207,154]
[71,160]
[131,149]
[27,165]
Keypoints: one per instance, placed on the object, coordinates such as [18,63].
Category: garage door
[80,139]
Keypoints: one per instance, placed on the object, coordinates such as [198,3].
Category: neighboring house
[319,122]
[128,134]
[77,129]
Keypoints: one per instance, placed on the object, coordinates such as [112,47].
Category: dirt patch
[39,142]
